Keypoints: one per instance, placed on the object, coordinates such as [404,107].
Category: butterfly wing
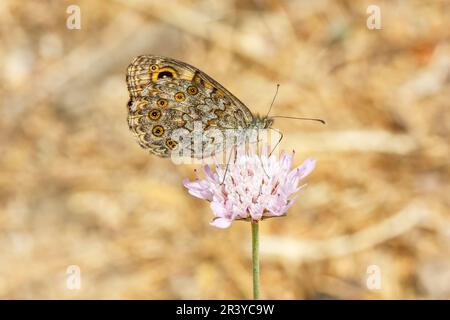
[166,95]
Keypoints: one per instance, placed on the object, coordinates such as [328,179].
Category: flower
[255,187]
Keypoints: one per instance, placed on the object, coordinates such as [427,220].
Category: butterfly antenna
[300,118]
[273,100]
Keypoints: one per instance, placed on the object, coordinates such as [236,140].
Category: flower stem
[255,259]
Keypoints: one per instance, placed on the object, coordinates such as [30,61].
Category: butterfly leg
[228,163]
[271,152]
[278,142]
[258,149]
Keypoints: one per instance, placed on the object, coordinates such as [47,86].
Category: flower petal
[209,173]
[221,223]
[218,209]
[198,189]
[306,167]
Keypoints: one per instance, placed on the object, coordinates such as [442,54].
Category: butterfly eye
[162,103]
[158,131]
[192,90]
[171,144]
[154,114]
[179,96]
[153,67]
[165,74]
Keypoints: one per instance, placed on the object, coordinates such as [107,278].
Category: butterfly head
[262,122]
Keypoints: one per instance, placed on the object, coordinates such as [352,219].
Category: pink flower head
[255,187]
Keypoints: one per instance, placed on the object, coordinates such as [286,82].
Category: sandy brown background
[76,189]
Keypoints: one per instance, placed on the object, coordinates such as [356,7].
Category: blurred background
[77,190]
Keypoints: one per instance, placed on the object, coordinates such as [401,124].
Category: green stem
[255,258]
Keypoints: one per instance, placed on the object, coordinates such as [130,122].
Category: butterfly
[167,95]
